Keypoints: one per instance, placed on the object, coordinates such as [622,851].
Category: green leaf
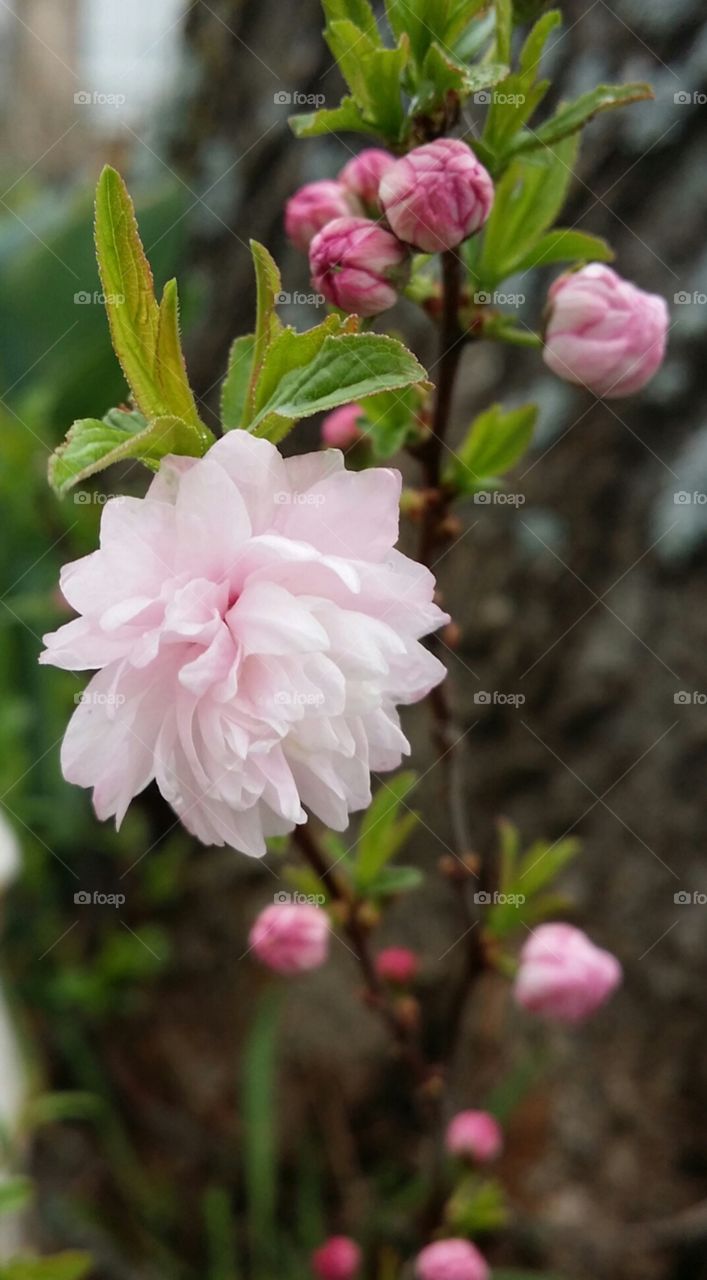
[15,1194]
[259,1110]
[504,28]
[350,47]
[145,336]
[60,1266]
[394,880]
[383,69]
[564,245]
[346,118]
[442,74]
[346,367]
[267,321]
[495,441]
[575,115]
[477,1205]
[528,198]
[390,421]
[54,1108]
[521,92]
[359,12]
[92,445]
[234,392]
[383,832]
[534,46]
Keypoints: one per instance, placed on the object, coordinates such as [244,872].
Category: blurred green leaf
[477,1205]
[521,93]
[394,880]
[565,245]
[61,1266]
[15,1193]
[384,829]
[346,118]
[495,441]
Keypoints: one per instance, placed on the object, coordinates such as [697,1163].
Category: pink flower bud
[451,1260]
[398,965]
[603,332]
[291,937]
[358,266]
[315,204]
[437,195]
[474,1134]
[563,975]
[362,175]
[337,1259]
[341,429]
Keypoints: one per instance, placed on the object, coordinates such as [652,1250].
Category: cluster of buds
[359,229]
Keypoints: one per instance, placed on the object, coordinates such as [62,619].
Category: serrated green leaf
[351,47]
[528,198]
[234,392]
[15,1193]
[92,445]
[442,73]
[145,336]
[359,12]
[346,118]
[504,29]
[575,115]
[70,1265]
[346,367]
[383,69]
[534,45]
[495,441]
[564,245]
[267,322]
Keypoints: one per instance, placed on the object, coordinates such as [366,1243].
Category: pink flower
[603,332]
[398,965]
[358,266]
[451,1260]
[476,1134]
[253,630]
[339,1258]
[437,195]
[362,175]
[315,204]
[341,428]
[563,975]
[291,937]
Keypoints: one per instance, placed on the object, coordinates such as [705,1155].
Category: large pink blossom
[254,629]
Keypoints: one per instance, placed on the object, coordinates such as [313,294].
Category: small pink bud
[563,975]
[315,204]
[603,332]
[341,429]
[474,1134]
[291,937]
[437,195]
[339,1258]
[451,1260]
[362,175]
[398,965]
[358,266]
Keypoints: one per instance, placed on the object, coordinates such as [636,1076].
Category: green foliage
[91,446]
[385,828]
[61,1266]
[234,392]
[575,115]
[494,442]
[524,879]
[477,1205]
[15,1194]
[391,421]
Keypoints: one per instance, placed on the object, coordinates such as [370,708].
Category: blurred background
[178,1118]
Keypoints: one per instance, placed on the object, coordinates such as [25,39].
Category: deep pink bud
[362,175]
[341,429]
[563,975]
[475,1135]
[437,195]
[315,204]
[603,332]
[358,266]
[339,1258]
[291,937]
[451,1260]
[398,965]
